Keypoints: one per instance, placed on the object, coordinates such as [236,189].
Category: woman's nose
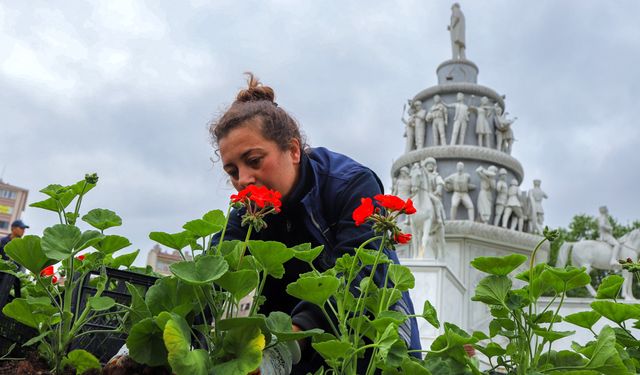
[246,178]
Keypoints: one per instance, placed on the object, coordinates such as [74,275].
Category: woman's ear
[295,150]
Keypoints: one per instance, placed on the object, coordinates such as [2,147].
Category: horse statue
[427,224]
[597,254]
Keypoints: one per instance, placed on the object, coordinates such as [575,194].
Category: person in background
[17,231]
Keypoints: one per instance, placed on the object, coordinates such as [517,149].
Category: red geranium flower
[48,271]
[402,238]
[362,213]
[260,195]
[408,207]
[80,257]
[390,202]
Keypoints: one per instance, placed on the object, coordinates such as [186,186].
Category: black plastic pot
[105,345]
[12,333]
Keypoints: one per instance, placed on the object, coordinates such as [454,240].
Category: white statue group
[488,115]
[511,208]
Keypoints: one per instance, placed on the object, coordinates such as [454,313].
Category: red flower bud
[402,238]
[80,257]
[408,207]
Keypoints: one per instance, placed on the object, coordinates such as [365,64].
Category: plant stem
[244,245]
[224,230]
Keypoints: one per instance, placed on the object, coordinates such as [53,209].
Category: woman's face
[249,158]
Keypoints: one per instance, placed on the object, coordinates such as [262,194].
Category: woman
[260,143]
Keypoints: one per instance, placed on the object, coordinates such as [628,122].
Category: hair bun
[256,91]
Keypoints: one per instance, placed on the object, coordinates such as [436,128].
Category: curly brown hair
[257,102]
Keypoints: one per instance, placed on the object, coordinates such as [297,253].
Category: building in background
[160,260]
[13,201]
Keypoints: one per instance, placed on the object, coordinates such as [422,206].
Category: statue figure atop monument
[605,231]
[456,28]
[439,117]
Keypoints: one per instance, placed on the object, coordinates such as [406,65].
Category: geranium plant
[189,321]
[52,305]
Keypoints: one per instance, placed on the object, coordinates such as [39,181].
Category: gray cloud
[126,89]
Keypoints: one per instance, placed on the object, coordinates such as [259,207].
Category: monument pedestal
[450,283]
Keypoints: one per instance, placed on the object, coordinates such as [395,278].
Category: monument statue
[513,206]
[504,133]
[536,195]
[456,28]
[460,184]
[427,224]
[605,232]
[439,117]
[501,195]
[598,254]
[460,119]
[483,130]
[485,196]
[409,129]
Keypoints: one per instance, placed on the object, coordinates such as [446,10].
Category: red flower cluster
[260,195]
[394,206]
[48,271]
[80,257]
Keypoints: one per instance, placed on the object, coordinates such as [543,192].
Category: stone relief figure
[439,118]
[460,119]
[409,129]
[402,189]
[501,195]
[427,224]
[419,123]
[513,206]
[456,28]
[460,184]
[535,197]
[605,231]
[483,130]
[504,133]
[485,196]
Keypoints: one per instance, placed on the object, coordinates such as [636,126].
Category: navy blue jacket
[335,185]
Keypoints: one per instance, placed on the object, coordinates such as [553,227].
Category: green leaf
[59,241]
[58,202]
[368,257]
[238,283]
[279,324]
[112,243]
[616,312]
[605,357]
[101,303]
[33,313]
[491,350]
[314,289]
[584,319]
[146,344]
[202,228]
[563,279]
[401,277]
[245,346]
[305,253]
[551,336]
[204,270]
[409,366]
[125,260]
[102,219]
[499,266]
[169,293]
[610,287]
[215,217]
[537,287]
[54,190]
[139,309]
[88,239]
[492,290]
[176,241]
[333,349]
[27,251]
[430,314]
[82,361]
[271,255]
[177,340]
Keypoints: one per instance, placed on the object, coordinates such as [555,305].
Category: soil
[34,365]
[124,365]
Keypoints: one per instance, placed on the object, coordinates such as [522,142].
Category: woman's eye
[233,173]
[254,162]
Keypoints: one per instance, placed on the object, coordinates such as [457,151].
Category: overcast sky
[126,89]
